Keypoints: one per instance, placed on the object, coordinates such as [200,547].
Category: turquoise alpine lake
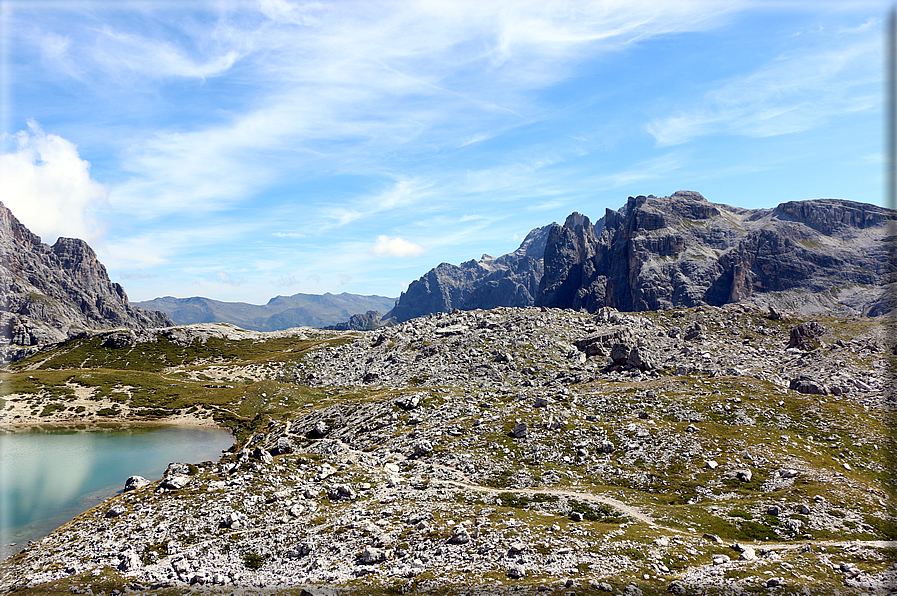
[49,477]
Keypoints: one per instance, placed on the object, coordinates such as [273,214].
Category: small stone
[576,516]
[371,555]
[744,475]
[711,464]
[541,402]
[460,535]
[422,448]
[520,430]
[175,482]
[135,482]
[408,402]
[721,559]
[115,511]
[321,429]
[515,548]
[284,445]
[516,572]
[774,510]
[676,587]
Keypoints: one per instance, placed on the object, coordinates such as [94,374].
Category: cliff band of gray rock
[509,280]
[823,255]
[48,293]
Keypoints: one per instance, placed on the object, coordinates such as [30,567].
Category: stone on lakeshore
[175,482]
[135,482]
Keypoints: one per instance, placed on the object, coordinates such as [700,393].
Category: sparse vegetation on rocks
[517,449]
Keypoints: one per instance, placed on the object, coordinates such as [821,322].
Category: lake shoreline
[135,452]
[18,413]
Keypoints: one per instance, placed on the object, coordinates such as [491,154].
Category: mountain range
[654,253]
[658,253]
[281,312]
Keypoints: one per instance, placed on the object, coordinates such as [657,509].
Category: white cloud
[226,278]
[395,247]
[117,51]
[336,86]
[401,194]
[288,280]
[139,274]
[48,187]
[791,94]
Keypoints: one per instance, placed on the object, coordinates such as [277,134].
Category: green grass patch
[598,513]
[253,560]
[50,409]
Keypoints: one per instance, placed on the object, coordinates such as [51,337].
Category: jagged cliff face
[823,255]
[509,280]
[50,292]
[661,253]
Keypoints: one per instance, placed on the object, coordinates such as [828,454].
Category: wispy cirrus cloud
[793,93]
[343,84]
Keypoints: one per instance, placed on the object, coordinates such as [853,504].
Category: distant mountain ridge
[657,253]
[48,293]
[281,312]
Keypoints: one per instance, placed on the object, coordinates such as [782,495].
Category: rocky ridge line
[48,293]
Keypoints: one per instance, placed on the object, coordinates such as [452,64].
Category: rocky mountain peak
[51,292]
[508,280]
[656,253]
[829,216]
[11,230]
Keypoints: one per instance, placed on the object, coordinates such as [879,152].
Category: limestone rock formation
[661,253]
[823,255]
[50,292]
[509,280]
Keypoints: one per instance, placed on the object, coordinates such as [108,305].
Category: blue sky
[239,150]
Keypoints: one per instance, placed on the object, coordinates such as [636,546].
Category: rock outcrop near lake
[823,256]
[48,293]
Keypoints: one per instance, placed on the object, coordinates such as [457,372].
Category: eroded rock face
[824,255]
[509,280]
[50,292]
[662,253]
